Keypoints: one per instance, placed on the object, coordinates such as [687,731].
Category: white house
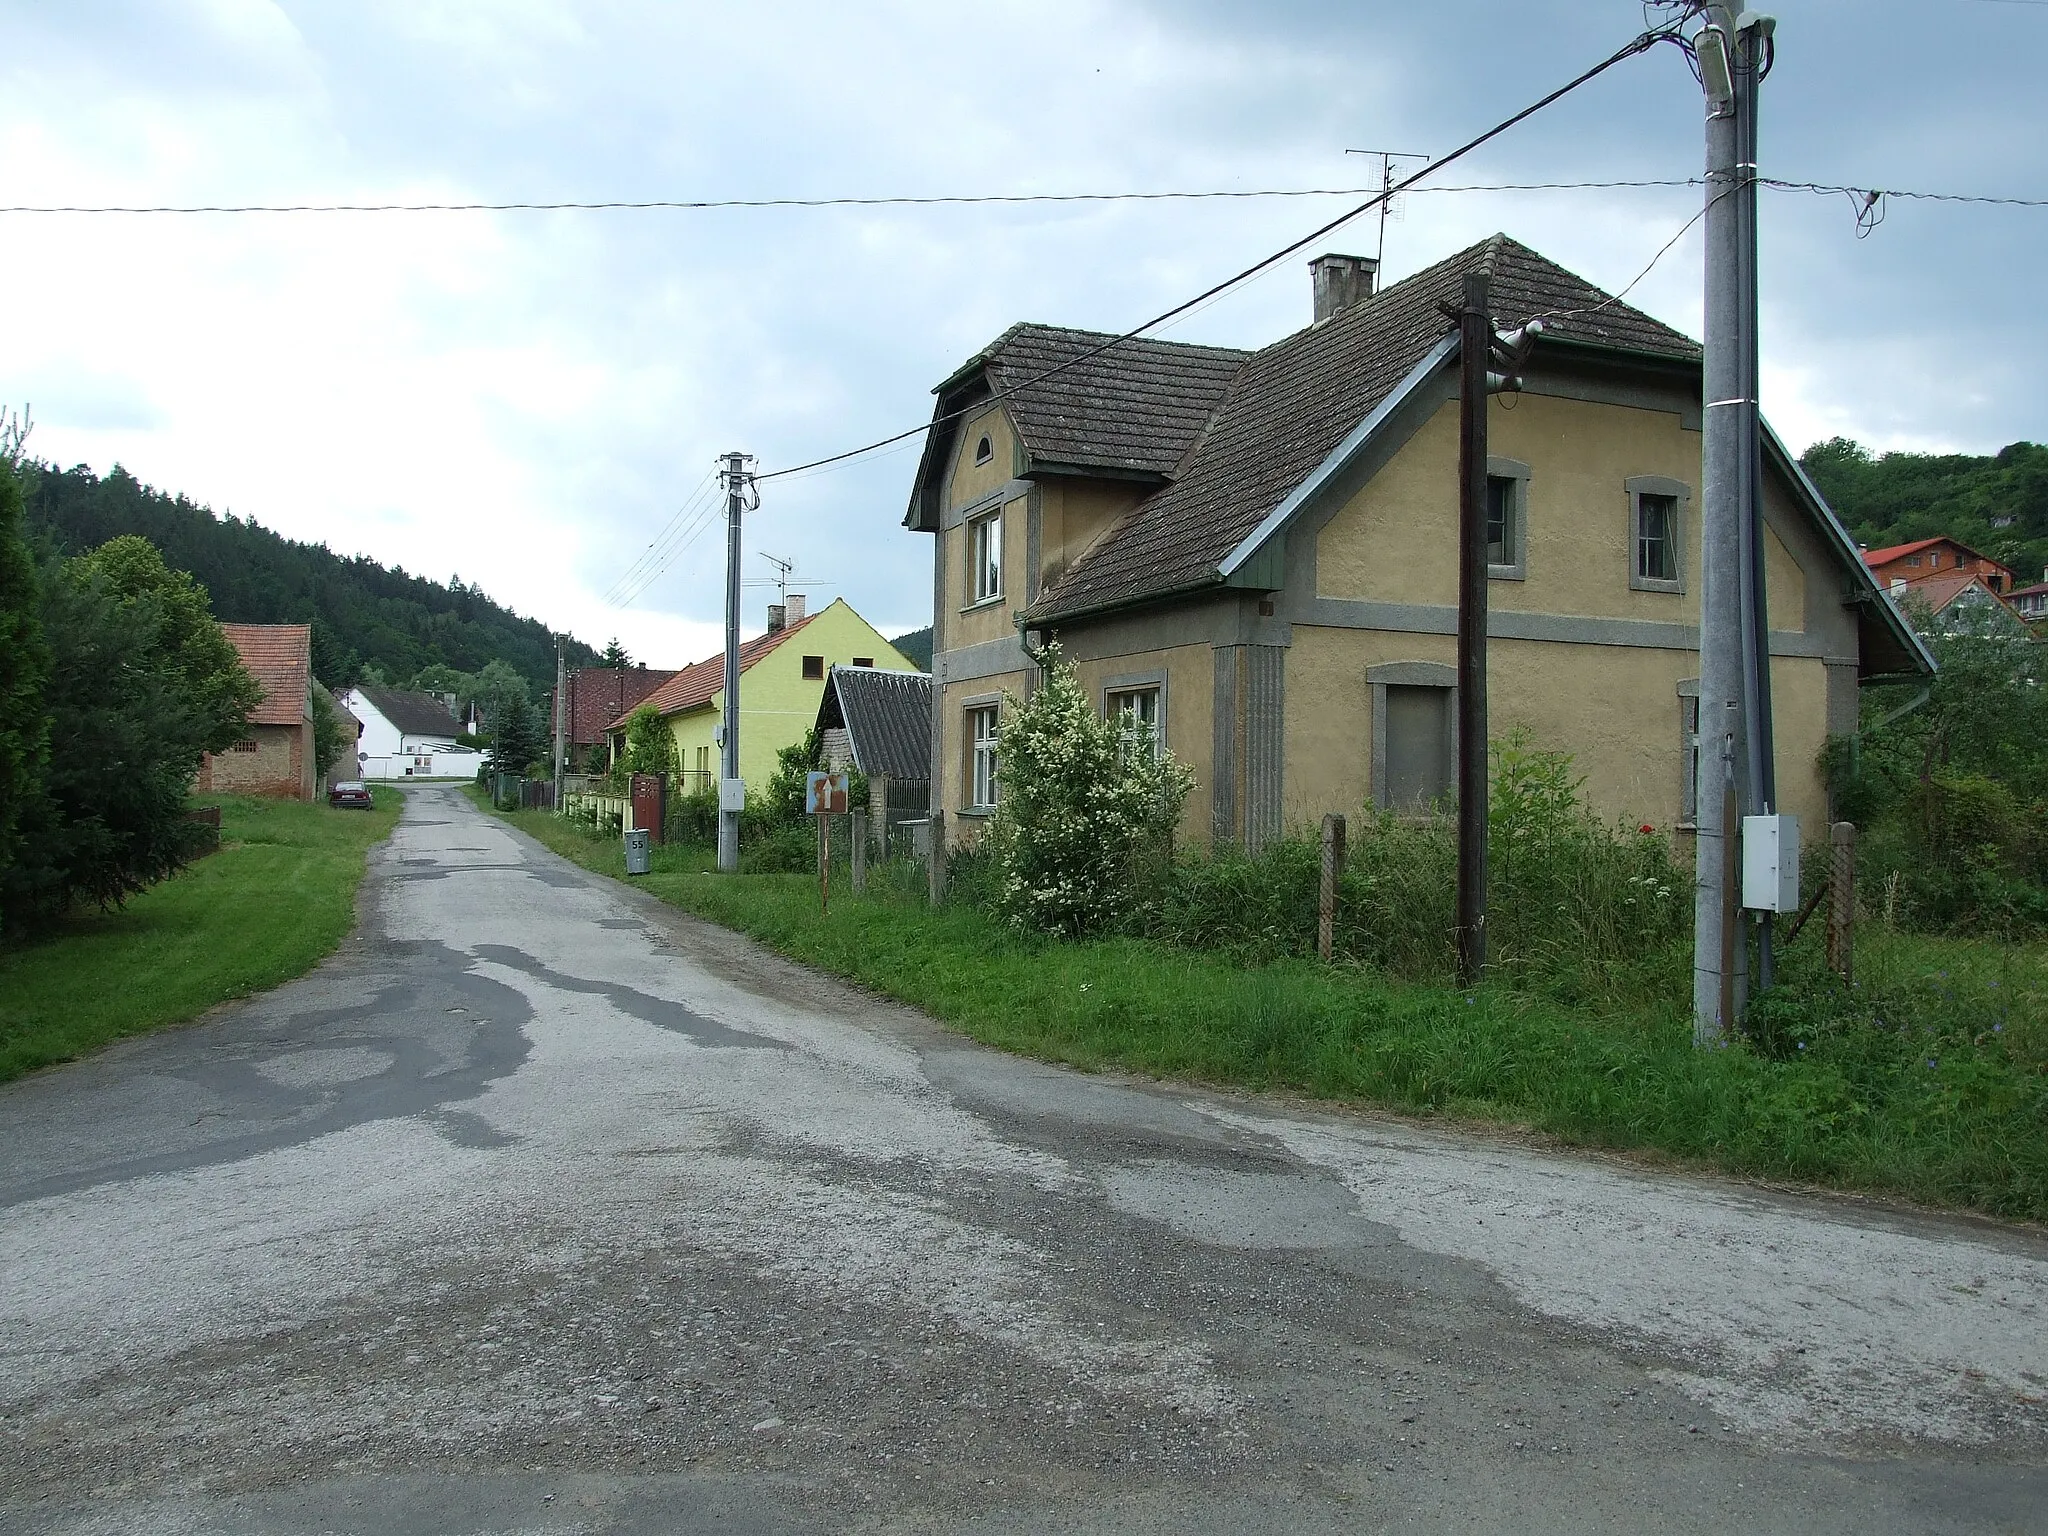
[408,735]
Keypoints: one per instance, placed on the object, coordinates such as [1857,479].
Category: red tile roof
[280,658]
[696,685]
[1939,591]
[1891,552]
[600,695]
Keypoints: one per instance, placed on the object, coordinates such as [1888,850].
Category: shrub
[1084,811]
[650,744]
[692,818]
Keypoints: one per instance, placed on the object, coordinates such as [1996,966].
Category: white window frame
[985,556]
[1138,711]
[1680,494]
[984,785]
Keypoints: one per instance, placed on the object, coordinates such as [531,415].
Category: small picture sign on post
[824,798]
[825,794]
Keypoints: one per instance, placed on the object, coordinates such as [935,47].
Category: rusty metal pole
[1842,900]
[1333,874]
[824,863]
[1475,344]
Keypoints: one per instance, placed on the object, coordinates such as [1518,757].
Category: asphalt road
[542,1209]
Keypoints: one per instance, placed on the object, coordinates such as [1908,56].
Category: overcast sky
[526,399]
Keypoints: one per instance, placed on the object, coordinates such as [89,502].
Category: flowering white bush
[1082,811]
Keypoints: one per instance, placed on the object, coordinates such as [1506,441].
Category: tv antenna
[1387,157]
[782,569]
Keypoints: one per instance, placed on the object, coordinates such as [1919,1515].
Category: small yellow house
[782,679]
[1254,554]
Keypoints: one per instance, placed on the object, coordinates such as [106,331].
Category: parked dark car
[350,794]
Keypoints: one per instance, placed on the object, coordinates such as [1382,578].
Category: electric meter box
[1770,863]
[732,794]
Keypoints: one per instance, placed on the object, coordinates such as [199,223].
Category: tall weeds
[1577,909]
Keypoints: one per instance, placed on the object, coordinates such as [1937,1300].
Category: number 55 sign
[825,794]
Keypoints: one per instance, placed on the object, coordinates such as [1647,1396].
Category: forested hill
[362,614]
[1996,505]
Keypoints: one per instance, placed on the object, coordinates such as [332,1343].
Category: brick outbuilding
[276,758]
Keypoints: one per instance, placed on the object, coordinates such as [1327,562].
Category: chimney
[796,608]
[777,618]
[1341,282]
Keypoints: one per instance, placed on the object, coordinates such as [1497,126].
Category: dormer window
[984,450]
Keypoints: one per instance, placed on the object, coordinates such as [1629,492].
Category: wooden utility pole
[1475,351]
[1842,900]
[1333,875]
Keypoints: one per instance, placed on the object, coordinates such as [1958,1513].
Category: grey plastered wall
[1265,719]
[1224,725]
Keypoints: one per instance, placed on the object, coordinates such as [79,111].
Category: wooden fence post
[857,848]
[1842,899]
[1333,872]
[937,871]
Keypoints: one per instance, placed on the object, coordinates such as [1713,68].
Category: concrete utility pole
[731,792]
[1735,772]
[561,721]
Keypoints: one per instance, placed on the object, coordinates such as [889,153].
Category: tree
[1079,812]
[333,735]
[615,655]
[516,739]
[208,672]
[24,664]
[496,687]
[439,677]
[650,744]
[126,736]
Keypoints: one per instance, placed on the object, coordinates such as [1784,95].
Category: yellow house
[782,679]
[1256,554]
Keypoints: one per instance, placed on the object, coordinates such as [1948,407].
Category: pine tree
[24,668]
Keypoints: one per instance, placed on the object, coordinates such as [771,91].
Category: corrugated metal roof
[887,715]
[280,658]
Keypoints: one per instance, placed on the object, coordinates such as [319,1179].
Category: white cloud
[527,398]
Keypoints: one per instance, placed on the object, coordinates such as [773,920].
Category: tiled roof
[600,695]
[413,714]
[1289,406]
[1891,552]
[696,685]
[1135,408]
[1939,591]
[1876,557]
[888,718]
[280,658]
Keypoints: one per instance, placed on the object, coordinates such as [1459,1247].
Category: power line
[662,548]
[1922,197]
[713,204]
[1640,44]
[983,199]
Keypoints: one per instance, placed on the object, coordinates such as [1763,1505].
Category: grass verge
[274,901]
[1945,1102]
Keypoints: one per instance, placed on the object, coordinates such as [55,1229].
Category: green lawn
[276,899]
[1947,1103]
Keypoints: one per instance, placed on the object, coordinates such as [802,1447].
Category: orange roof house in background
[276,758]
[1924,559]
